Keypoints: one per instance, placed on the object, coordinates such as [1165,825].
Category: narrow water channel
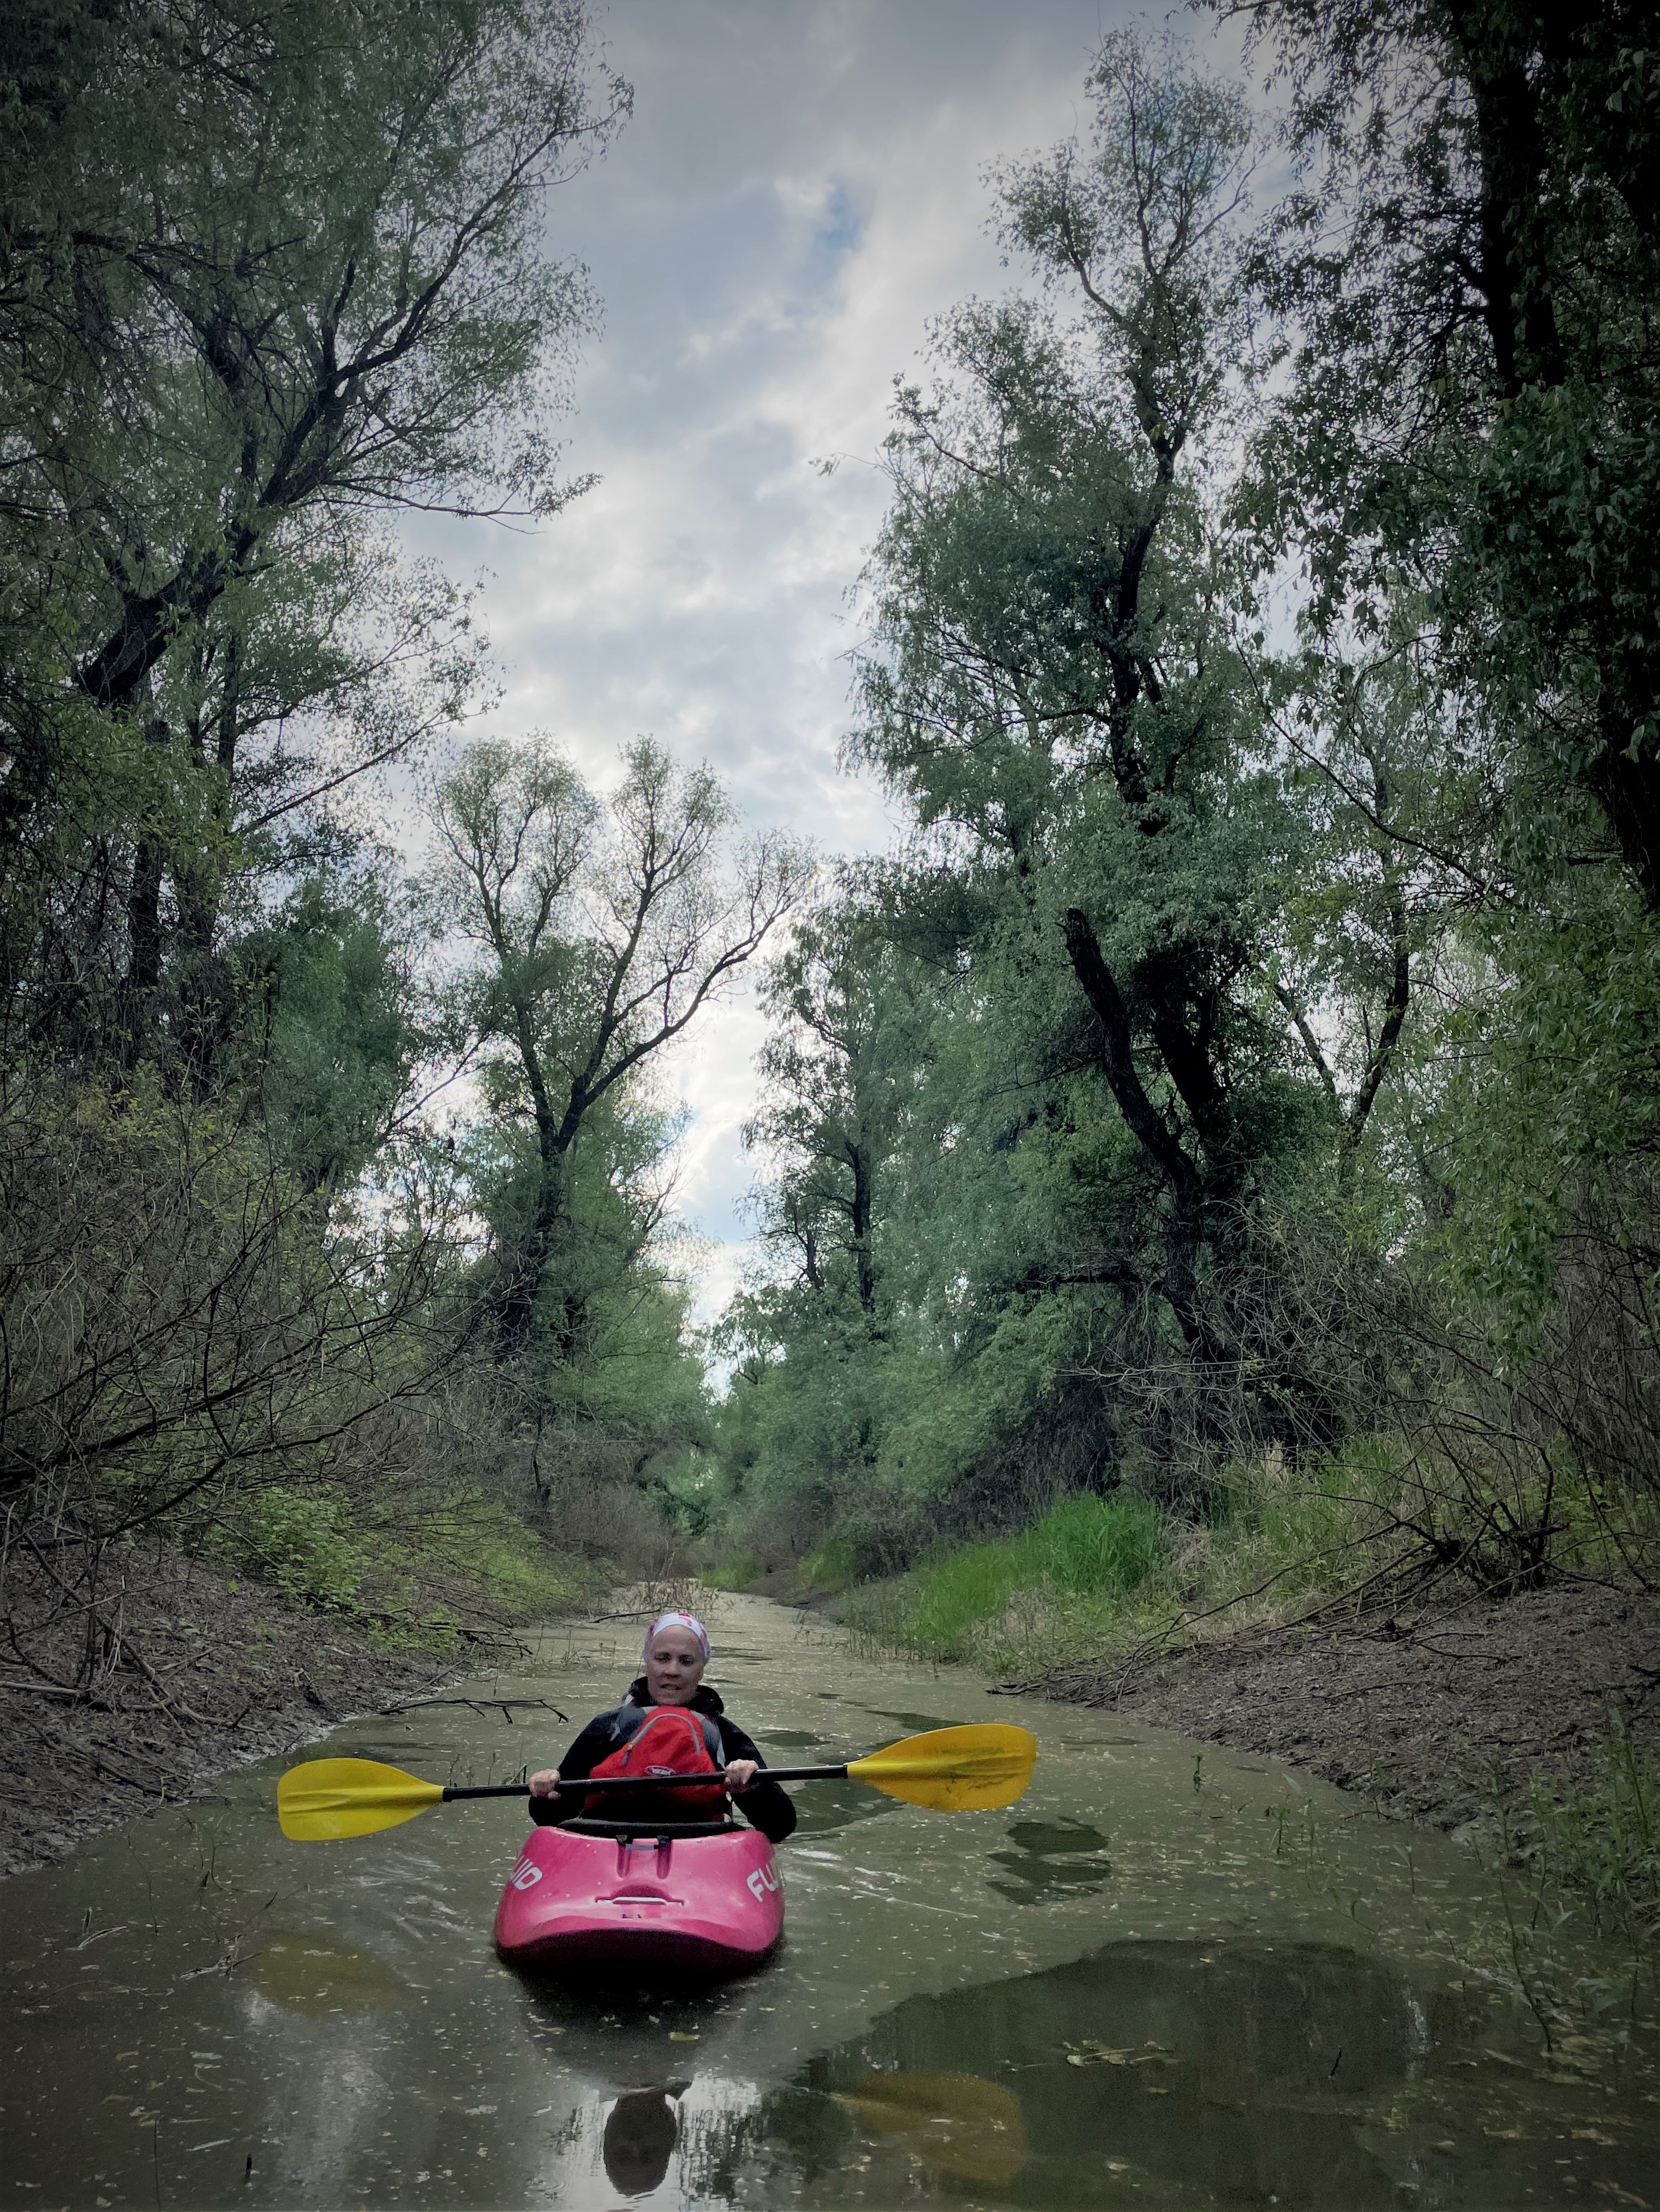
[1171,1976]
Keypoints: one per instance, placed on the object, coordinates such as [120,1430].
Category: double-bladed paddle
[954,1769]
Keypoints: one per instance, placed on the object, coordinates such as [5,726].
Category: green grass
[999,1602]
[735,1571]
[827,1568]
[1599,1847]
[1099,1576]
[420,1577]
[1583,1859]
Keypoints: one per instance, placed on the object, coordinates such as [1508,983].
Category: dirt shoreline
[205,1675]
[1425,1714]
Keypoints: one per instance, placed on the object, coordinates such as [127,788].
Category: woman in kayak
[676,1653]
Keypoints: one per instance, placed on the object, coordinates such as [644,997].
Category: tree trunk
[1184,1221]
[862,1259]
[143,977]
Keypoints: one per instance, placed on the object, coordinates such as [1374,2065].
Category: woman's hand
[741,1775]
[546,1784]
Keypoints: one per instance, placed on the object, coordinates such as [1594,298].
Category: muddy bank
[1422,1713]
[198,1674]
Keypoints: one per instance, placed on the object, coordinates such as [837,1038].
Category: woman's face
[674,1667]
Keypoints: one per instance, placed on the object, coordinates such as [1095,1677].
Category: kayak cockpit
[699,1898]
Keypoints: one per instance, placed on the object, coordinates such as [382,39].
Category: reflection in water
[913,1724]
[794,1739]
[1203,2068]
[1061,1858]
[821,1808]
[639,2141]
[613,2037]
[957,2123]
[317,1975]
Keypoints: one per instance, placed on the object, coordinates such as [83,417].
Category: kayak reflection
[639,2141]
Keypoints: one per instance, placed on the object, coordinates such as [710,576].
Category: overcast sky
[799,192]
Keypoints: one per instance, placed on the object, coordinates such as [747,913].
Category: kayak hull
[577,1904]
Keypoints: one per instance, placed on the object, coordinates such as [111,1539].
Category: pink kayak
[702,1904]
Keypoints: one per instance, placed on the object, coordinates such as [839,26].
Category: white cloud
[798,194]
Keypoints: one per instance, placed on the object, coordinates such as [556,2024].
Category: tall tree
[267,270]
[603,931]
[1468,276]
[847,1054]
[1055,677]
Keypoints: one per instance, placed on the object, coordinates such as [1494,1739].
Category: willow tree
[850,1013]
[600,930]
[1468,268]
[1053,673]
[1462,462]
[272,271]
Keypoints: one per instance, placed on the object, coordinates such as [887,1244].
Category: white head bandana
[677,1620]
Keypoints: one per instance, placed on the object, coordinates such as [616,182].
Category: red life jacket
[660,1740]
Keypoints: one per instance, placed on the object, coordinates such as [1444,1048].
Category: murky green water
[1164,1978]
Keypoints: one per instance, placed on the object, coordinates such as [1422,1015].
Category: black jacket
[765,1806]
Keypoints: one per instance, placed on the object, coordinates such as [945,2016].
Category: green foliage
[328,990]
[1099,1548]
[1475,375]
[735,1571]
[302,1543]
[986,1603]
[598,932]
[428,1575]
[1241,1093]
[1030,1094]
[828,1567]
[1556,1097]
[265,300]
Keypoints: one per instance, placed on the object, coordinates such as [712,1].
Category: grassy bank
[1104,1576]
[1060,1587]
[1360,1532]
[1306,1616]
[442,1577]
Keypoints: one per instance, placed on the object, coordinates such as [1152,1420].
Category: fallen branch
[479,1705]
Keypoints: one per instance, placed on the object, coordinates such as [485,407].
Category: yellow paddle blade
[328,1798]
[954,1769]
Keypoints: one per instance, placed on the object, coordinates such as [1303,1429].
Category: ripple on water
[318,1976]
[207,2015]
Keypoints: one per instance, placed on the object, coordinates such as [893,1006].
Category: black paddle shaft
[654,1781]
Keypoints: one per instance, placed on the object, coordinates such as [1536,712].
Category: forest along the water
[1166,1973]
[1205,1169]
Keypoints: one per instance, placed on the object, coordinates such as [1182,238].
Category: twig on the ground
[177,1707]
